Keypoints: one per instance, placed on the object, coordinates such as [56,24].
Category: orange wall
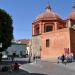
[59,40]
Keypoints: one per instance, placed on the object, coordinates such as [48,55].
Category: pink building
[53,36]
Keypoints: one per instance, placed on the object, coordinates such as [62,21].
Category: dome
[72,14]
[47,15]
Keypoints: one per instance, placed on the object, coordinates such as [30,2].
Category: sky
[24,12]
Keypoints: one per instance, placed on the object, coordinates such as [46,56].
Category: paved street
[49,68]
[44,67]
[20,61]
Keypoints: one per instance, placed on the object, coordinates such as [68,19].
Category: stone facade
[36,43]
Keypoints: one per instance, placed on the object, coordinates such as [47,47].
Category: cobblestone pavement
[49,68]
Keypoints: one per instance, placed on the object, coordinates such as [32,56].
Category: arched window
[36,30]
[49,28]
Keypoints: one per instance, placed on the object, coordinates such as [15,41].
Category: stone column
[55,26]
[33,30]
[69,24]
[40,28]
[43,28]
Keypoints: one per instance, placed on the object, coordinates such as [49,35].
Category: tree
[6,30]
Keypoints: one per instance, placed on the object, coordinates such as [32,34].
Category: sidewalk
[34,67]
[68,65]
[44,66]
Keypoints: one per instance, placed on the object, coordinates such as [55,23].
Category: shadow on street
[20,72]
[9,62]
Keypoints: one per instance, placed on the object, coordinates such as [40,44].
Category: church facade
[53,36]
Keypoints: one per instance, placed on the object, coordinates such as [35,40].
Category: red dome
[72,15]
[47,15]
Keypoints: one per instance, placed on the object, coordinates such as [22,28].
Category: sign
[66,50]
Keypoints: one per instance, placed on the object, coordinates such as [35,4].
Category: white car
[4,57]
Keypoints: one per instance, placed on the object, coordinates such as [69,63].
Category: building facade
[27,43]
[20,50]
[53,36]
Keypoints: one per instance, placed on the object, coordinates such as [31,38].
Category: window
[47,42]
[49,28]
[37,31]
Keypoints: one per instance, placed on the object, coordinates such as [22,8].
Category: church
[52,36]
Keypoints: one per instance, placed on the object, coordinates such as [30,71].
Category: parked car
[4,57]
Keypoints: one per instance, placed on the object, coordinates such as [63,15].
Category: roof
[72,14]
[47,15]
[23,41]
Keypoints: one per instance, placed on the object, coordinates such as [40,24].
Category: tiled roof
[47,14]
[23,41]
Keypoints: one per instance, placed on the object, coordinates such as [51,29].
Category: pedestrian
[34,58]
[63,58]
[16,66]
[12,58]
[58,59]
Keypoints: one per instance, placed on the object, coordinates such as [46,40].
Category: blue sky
[23,13]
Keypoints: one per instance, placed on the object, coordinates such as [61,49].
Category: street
[48,68]
[42,67]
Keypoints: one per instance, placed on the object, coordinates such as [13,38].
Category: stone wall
[59,40]
[36,44]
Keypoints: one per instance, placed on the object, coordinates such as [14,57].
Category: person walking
[63,58]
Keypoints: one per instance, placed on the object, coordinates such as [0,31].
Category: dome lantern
[48,7]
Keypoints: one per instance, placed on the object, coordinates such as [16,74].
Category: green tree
[6,30]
